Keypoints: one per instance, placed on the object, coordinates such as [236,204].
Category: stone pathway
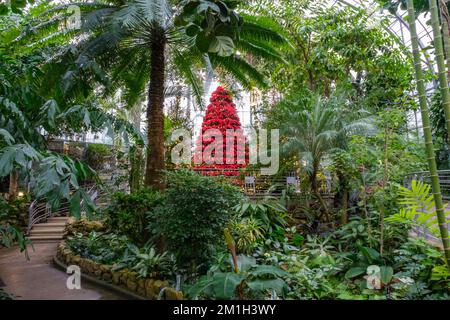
[38,279]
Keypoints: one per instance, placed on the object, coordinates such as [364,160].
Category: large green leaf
[205,5]
[272,284]
[355,272]
[222,45]
[192,30]
[6,136]
[49,111]
[75,203]
[386,274]
[264,270]
[7,161]
[370,254]
[244,262]
[202,42]
[224,284]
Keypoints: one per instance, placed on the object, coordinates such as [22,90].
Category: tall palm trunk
[313,181]
[136,157]
[315,189]
[440,60]
[155,113]
[427,132]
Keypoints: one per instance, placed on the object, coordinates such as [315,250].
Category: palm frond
[159,11]
[237,67]
[185,67]
[260,49]
[261,28]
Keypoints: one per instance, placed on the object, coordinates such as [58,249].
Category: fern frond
[420,208]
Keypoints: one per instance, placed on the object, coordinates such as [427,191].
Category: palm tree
[440,60]
[427,132]
[314,131]
[141,37]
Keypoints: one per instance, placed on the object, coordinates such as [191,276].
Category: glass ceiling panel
[397,25]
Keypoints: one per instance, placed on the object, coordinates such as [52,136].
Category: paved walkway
[38,279]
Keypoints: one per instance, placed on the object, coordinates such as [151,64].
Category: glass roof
[397,25]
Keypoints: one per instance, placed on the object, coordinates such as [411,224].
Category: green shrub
[252,282]
[194,215]
[99,247]
[84,227]
[147,262]
[116,250]
[97,154]
[13,219]
[14,212]
[6,295]
[128,213]
[248,233]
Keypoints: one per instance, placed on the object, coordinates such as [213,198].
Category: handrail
[424,176]
[257,185]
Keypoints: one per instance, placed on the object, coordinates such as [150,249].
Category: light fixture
[20,194]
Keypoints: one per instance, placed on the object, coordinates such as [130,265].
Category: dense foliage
[195,212]
[343,218]
[129,214]
[118,251]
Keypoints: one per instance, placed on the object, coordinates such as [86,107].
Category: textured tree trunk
[136,157]
[315,190]
[427,132]
[440,61]
[13,185]
[313,180]
[155,114]
[136,162]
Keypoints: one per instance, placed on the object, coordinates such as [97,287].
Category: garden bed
[124,279]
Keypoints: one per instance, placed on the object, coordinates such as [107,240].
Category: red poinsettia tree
[226,156]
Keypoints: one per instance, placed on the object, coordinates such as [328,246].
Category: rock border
[123,281]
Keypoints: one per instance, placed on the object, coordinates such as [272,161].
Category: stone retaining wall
[125,279]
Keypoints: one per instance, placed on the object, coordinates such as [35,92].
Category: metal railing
[257,185]
[424,176]
[39,210]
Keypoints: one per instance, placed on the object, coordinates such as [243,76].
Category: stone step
[57,219]
[45,237]
[47,231]
[50,225]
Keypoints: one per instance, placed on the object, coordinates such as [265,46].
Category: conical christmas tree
[229,155]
